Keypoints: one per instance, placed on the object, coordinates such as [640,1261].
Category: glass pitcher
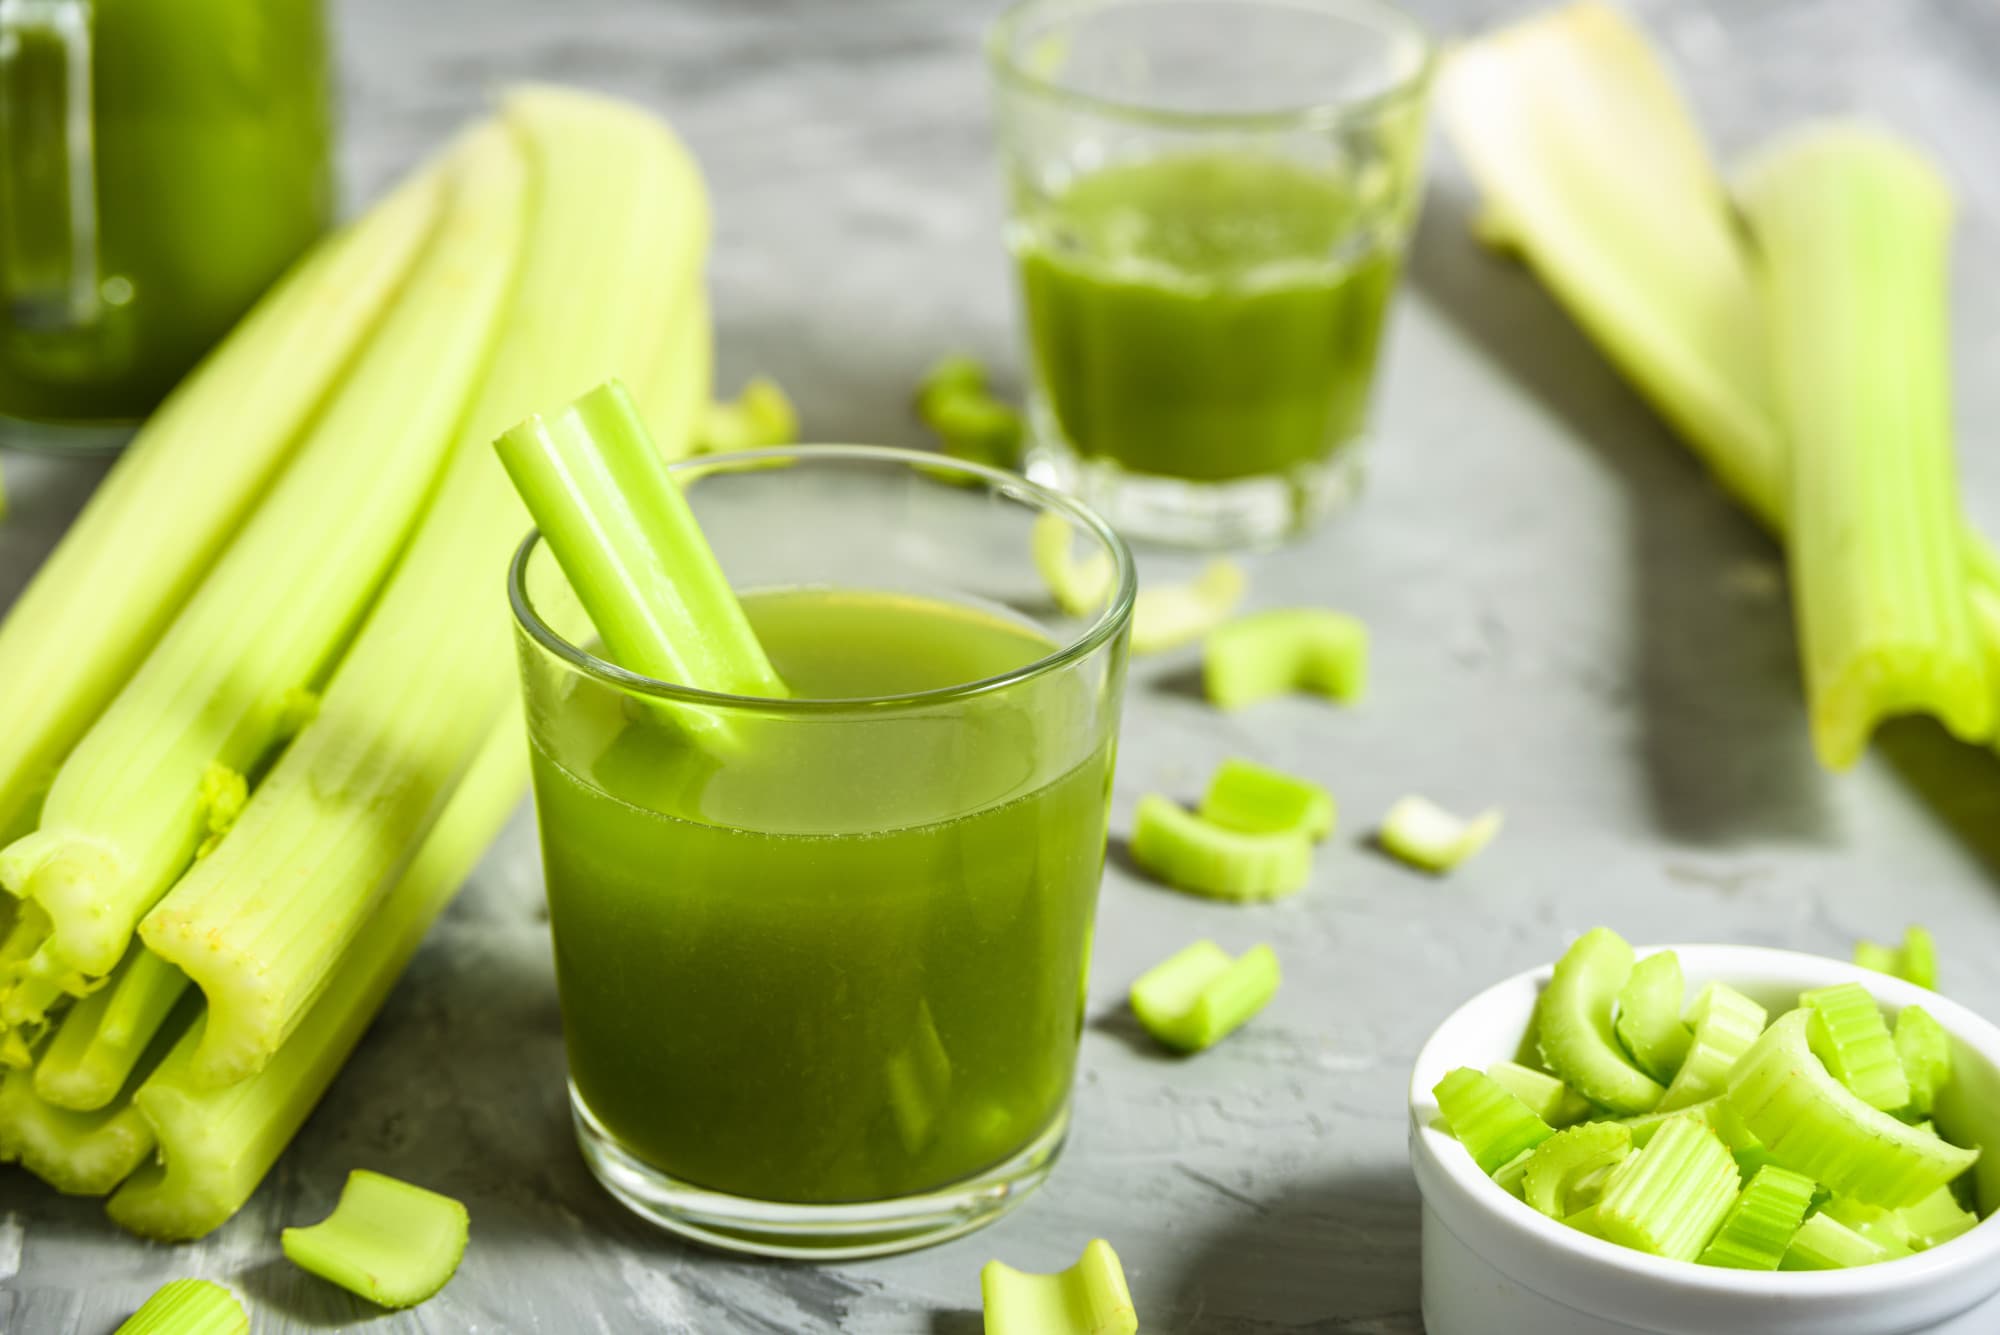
[161,162]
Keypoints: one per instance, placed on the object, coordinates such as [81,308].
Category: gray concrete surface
[1569,620]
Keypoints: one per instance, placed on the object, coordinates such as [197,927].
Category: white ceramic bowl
[1493,1266]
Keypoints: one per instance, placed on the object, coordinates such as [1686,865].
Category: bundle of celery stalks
[1794,333]
[261,701]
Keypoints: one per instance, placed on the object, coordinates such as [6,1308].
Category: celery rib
[760,416]
[1080,588]
[1198,996]
[1760,1226]
[1089,1298]
[1423,834]
[1649,1020]
[391,1242]
[1192,854]
[1257,799]
[1266,654]
[1493,1125]
[1824,1243]
[1924,1050]
[1167,616]
[1547,1097]
[1849,1035]
[1574,1025]
[1726,1023]
[102,1037]
[1562,1161]
[189,1307]
[1675,1194]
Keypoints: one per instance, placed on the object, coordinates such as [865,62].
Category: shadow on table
[1960,784]
[1714,674]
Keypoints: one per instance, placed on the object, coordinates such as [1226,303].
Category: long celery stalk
[217,1144]
[1853,230]
[163,516]
[125,814]
[262,925]
[102,1036]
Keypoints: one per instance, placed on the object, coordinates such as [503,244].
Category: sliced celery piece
[1423,834]
[1759,1227]
[1512,1176]
[1936,1219]
[1287,649]
[77,1153]
[1080,588]
[1198,996]
[102,1037]
[759,417]
[1574,1029]
[1167,616]
[392,1243]
[953,401]
[185,486]
[1849,1035]
[1915,961]
[617,227]
[1192,854]
[1713,1113]
[1924,1050]
[1492,1124]
[1726,1023]
[189,1307]
[1547,1097]
[1649,1020]
[1567,1157]
[1674,1196]
[1089,1298]
[1259,800]
[1824,1243]
[1812,1124]
[1887,1229]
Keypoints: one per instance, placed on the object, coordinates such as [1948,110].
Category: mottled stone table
[1569,621]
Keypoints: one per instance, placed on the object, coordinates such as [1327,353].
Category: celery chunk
[1674,1196]
[1936,1219]
[1726,1023]
[1759,1227]
[1824,1243]
[1080,588]
[1574,1025]
[1273,653]
[1649,1020]
[1089,1298]
[1924,1049]
[759,417]
[1425,835]
[388,1241]
[1167,616]
[1198,996]
[971,424]
[1915,961]
[1547,1097]
[1493,1125]
[1193,854]
[1259,800]
[1562,1161]
[189,1307]
[1850,1036]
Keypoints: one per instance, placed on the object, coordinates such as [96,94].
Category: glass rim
[1101,631]
[1008,70]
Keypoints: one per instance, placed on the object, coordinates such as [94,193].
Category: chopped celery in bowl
[1493,1263]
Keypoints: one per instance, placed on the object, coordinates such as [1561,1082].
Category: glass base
[815,1232]
[1245,512]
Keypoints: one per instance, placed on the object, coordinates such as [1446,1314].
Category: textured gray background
[1569,622]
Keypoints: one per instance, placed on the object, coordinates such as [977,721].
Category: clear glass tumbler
[1209,202]
[822,964]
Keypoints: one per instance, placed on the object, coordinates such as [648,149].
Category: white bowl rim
[1977,1248]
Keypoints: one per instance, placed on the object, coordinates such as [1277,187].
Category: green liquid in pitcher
[786,978]
[1202,315]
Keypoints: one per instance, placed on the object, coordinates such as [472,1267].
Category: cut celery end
[1759,1227]
[1814,1125]
[1726,1023]
[77,1153]
[1199,996]
[1259,800]
[1649,1020]
[1492,1124]
[1274,653]
[102,1037]
[1850,1037]
[1562,1161]
[1936,1219]
[758,418]
[189,1307]
[1924,1050]
[1824,1243]
[1425,835]
[1080,588]
[1192,854]
[392,1243]
[1675,1194]
[1547,1097]
[1573,1025]
[1167,616]
[1089,1298]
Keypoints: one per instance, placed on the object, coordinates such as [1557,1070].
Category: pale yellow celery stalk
[263,925]
[165,512]
[674,393]
[102,1037]
[126,813]
[1853,232]
[217,1144]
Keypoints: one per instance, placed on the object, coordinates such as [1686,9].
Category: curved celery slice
[1914,961]
[1547,1097]
[1649,1020]
[1674,1195]
[1080,588]
[970,423]
[1564,1159]
[1812,1124]
[759,417]
[189,1307]
[1192,854]
[1936,1219]
[1259,800]
[1089,1298]
[1574,1027]
[1290,649]
[1824,1243]
[1492,1124]
[1726,1023]
[1849,1035]
[388,1241]
[1924,1049]
[1760,1226]
[1167,616]
[1199,996]
[1423,834]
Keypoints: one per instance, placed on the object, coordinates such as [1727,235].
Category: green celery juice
[809,973]
[1205,315]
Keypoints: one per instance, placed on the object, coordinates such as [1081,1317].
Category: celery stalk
[1190,853]
[125,815]
[388,1241]
[1760,1226]
[673,395]
[1674,1196]
[184,488]
[1494,1126]
[1560,1164]
[1547,1097]
[189,1307]
[1167,616]
[1649,1016]
[102,1037]
[77,1153]
[1853,232]
[757,418]
[1850,1036]
[1199,995]
[1089,1298]
[1256,799]
[616,229]
[1574,1026]
[1824,1243]
[1285,649]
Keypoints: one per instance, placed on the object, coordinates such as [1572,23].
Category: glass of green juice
[1209,202]
[822,979]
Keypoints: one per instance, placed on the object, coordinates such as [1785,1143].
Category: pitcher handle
[48,178]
